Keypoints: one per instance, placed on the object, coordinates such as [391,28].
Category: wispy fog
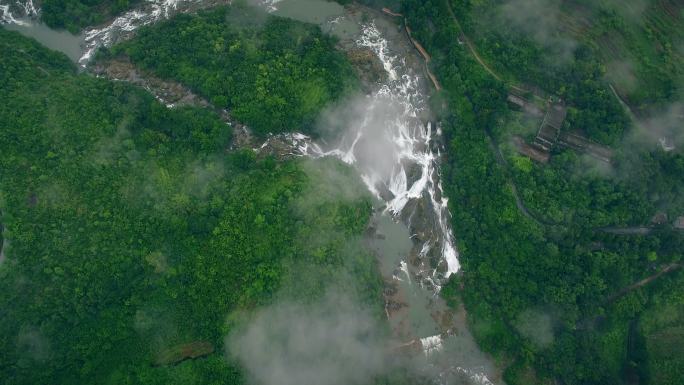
[360,128]
[664,128]
[538,20]
[329,342]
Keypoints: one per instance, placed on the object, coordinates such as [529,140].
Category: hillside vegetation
[542,297]
[132,236]
[75,15]
[640,44]
[273,74]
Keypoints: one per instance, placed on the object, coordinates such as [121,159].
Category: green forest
[74,15]
[137,237]
[273,74]
[631,45]
[134,233]
[519,272]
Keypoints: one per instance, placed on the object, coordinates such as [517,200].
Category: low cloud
[360,127]
[537,326]
[373,133]
[664,128]
[331,181]
[622,74]
[332,341]
[632,10]
[539,20]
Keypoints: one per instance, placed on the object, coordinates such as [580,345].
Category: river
[389,136]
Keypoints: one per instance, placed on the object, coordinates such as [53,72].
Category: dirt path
[462,36]
[637,230]
[502,162]
[667,269]
[492,143]
[473,51]
[421,50]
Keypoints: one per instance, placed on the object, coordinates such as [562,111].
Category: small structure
[531,152]
[579,143]
[667,144]
[659,218]
[526,106]
[679,223]
[550,135]
[550,128]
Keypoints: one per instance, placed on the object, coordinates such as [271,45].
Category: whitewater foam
[411,148]
[151,11]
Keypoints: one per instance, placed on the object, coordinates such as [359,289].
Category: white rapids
[122,26]
[150,12]
[27,9]
[388,143]
[118,29]
[406,146]
[403,167]
[431,344]
[270,5]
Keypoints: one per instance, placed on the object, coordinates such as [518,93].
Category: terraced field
[663,335]
[641,46]
[640,43]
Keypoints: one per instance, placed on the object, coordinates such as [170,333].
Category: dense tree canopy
[131,231]
[523,277]
[273,74]
[574,49]
[74,15]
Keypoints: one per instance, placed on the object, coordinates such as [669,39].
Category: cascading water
[397,156]
[393,150]
[25,9]
[386,138]
[122,26]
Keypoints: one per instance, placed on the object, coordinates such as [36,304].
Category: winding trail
[639,230]
[419,47]
[667,269]
[509,179]
[473,51]
[624,104]
[471,47]
[493,145]
[636,230]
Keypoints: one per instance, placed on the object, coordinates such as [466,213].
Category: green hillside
[134,234]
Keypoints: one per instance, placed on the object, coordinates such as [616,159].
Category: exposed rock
[368,67]
[679,223]
[178,353]
[168,92]
[174,94]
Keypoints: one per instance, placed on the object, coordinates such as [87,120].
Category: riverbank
[390,124]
